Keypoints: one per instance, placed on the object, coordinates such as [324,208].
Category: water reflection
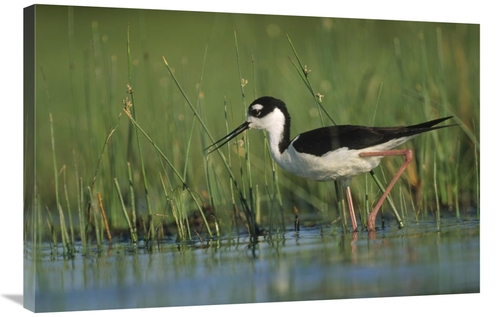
[311,265]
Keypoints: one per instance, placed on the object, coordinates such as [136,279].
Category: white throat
[274,123]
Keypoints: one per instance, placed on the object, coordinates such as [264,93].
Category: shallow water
[417,260]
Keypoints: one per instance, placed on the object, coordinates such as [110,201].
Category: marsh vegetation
[126,101]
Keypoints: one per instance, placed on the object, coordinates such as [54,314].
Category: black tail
[411,130]
[430,125]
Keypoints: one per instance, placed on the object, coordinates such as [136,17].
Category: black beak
[228,137]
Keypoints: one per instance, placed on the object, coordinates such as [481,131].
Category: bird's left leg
[351,209]
[408,154]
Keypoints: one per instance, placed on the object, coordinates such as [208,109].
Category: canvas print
[191,158]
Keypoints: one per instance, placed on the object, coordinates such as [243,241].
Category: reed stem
[139,147]
[70,220]
[133,233]
[67,248]
[104,218]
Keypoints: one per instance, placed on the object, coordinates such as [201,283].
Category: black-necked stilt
[329,153]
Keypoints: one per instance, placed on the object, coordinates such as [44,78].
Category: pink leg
[408,157]
[351,209]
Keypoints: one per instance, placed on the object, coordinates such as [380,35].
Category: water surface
[313,264]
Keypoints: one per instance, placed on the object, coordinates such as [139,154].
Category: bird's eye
[255,112]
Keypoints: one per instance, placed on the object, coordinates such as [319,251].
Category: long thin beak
[228,137]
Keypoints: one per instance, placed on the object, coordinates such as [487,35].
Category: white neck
[278,131]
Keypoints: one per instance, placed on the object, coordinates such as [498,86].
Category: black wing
[323,140]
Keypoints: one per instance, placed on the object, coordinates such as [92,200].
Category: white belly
[341,165]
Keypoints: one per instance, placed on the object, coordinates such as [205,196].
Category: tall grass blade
[303,72]
[96,171]
[476,161]
[252,214]
[67,247]
[178,222]
[93,213]
[104,219]
[133,233]
[455,184]
[70,220]
[231,185]
[139,147]
[52,230]
[197,104]
[132,205]
[81,216]
[438,208]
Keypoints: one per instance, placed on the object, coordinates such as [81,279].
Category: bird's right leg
[408,154]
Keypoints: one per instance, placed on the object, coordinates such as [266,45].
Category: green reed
[67,244]
[133,222]
[131,225]
[251,213]
[68,209]
[133,115]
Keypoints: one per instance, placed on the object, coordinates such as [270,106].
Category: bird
[331,153]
